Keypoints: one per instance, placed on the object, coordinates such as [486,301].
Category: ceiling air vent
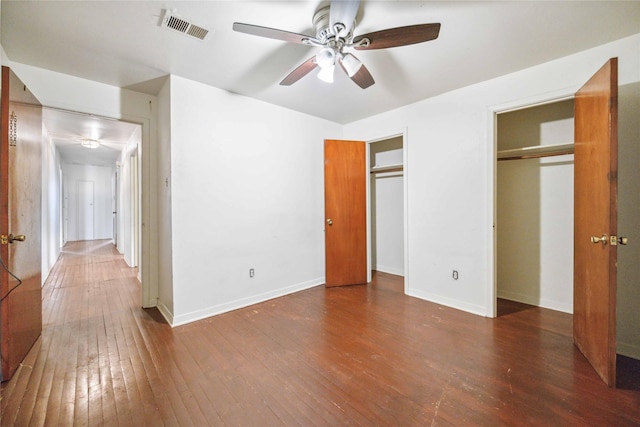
[174,22]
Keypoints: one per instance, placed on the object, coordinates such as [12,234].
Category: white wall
[450,170]
[246,192]
[51,230]
[628,297]
[387,208]
[72,93]
[100,176]
[534,224]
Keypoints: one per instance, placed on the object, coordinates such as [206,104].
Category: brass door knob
[16,238]
[329,222]
[4,239]
[603,239]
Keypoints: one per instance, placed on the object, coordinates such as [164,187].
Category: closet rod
[390,168]
[535,152]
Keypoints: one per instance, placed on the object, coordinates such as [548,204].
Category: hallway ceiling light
[89,143]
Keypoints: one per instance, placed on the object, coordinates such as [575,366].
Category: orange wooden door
[345,207]
[595,220]
[20,195]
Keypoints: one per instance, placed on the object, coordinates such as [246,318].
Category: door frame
[491,291]
[134,190]
[127,204]
[405,193]
[146,274]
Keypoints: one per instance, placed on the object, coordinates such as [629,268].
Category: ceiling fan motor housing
[321,22]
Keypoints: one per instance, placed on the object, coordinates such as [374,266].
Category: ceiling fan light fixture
[351,64]
[326,74]
[326,58]
[89,143]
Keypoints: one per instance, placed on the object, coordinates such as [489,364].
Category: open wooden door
[20,207]
[595,220]
[345,204]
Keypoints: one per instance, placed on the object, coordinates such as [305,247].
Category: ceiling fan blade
[400,36]
[303,69]
[362,77]
[343,12]
[271,33]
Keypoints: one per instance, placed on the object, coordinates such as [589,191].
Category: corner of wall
[163,180]
[239,303]
[166,313]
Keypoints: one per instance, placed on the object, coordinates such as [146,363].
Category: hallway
[80,365]
[360,355]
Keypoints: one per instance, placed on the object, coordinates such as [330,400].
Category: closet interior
[387,205]
[534,205]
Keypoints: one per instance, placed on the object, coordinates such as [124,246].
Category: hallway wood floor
[361,355]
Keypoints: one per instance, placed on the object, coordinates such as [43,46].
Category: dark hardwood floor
[360,355]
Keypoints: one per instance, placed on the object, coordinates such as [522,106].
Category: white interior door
[86,210]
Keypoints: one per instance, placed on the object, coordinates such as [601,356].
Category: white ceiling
[67,129]
[120,43]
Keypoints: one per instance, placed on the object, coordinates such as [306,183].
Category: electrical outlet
[252,272]
[455,275]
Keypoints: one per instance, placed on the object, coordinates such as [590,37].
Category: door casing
[549,98]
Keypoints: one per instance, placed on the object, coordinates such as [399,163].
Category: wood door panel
[20,207]
[345,205]
[595,198]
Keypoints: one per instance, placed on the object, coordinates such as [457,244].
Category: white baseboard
[166,313]
[629,350]
[183,319]
[449,302]
[566,307]
[390,270]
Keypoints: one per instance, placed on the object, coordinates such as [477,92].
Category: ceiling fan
[334,26]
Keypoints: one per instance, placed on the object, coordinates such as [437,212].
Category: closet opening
[387,206]
[534,207]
